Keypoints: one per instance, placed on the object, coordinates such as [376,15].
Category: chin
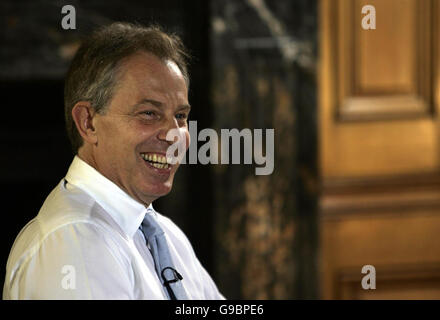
[158,191]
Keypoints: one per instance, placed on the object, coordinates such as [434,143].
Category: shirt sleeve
[76,261]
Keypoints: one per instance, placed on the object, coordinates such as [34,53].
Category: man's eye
[149,114]
[181,116]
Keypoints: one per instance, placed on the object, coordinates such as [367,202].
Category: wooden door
[379,148]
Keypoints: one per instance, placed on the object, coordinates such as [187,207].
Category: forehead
[146,70]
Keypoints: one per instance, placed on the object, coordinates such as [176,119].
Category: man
[97,235]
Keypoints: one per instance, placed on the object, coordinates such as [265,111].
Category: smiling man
[97,235]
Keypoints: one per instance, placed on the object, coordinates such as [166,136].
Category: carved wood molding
[388,277]
[359,54]
[380,194]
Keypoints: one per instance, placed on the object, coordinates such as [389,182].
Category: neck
[85,155]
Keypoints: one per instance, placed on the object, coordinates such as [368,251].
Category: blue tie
[163,263]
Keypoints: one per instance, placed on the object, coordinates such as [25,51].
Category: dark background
[235,83]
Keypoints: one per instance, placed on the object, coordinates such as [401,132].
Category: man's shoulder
[66,202]
[64,213]
[69,230]
[67,205]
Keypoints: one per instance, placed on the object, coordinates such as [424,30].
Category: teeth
[158,160]
[160,166]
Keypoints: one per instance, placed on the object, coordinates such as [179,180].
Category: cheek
[105,137]
[117,139]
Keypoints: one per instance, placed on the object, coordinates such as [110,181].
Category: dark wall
[263,60]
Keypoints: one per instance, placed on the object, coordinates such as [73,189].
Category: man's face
[150,99]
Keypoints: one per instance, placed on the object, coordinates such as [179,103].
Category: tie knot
[150,227]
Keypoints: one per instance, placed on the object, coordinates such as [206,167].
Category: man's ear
[82,114]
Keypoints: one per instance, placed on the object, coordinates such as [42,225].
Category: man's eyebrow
[150,101]
[185,107]
[159,104]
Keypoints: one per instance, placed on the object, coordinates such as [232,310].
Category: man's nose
[168,124]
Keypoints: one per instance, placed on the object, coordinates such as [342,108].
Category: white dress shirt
[85,243]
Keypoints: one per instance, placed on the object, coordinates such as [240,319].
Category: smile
[156,160]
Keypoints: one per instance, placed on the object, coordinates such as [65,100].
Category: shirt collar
[127,212]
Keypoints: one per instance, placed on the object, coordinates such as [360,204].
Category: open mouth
[156,160]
